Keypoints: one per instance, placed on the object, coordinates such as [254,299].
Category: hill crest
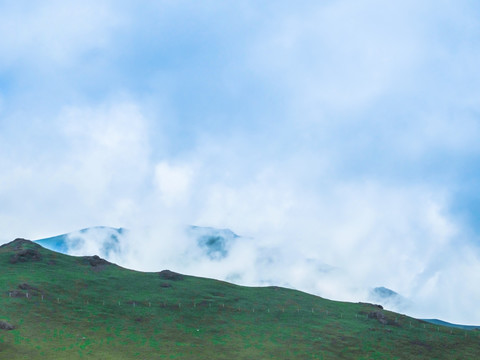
[65,307]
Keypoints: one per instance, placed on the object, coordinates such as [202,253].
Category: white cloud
[342,56]
[96,164]
[54,32]
[173,182]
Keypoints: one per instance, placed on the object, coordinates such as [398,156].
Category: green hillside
[65,307]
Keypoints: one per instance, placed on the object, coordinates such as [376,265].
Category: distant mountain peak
[106,241]
[214,243]
[384,292]
[389,299]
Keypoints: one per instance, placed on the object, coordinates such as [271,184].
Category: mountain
[55,306]
[384,293]
[389,298]
[106,238]
[213,243]
[444,323]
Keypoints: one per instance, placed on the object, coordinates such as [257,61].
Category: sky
[340,138]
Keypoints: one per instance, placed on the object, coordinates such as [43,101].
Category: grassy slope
[195,318]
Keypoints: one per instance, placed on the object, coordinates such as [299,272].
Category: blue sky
[338,132]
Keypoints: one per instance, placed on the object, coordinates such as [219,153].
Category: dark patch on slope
[29,288]
[25,290]
[369,304]
[170,275]
[380,316]
[6,326]
[374,311]
[26,256]
[25,286]
[25,251]
[95,261]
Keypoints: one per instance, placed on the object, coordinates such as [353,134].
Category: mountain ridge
[205,245]
[70,307]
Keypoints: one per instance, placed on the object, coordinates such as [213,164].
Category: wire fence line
[204,303]
[223,306]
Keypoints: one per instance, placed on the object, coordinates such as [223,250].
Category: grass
[78,311]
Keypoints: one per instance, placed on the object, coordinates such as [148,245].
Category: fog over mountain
[338,139]
[213,252]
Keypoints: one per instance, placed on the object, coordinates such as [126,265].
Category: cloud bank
[340,139]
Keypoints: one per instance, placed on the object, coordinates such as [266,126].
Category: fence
[194,305]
